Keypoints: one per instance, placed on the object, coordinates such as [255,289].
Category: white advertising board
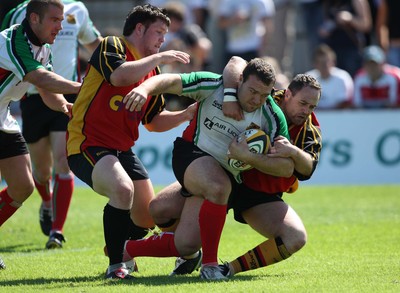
[359,147]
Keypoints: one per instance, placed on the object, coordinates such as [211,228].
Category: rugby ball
[258,142]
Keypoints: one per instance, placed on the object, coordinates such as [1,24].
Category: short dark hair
[146,15]
[262,69]
[324,50]
[40,7]
[301,81]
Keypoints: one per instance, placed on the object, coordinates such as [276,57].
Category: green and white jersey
[18,56]
[211,131]
[77,29]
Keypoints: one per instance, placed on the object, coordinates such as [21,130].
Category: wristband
[230,95]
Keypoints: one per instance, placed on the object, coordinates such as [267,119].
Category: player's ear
[140,29]
[34,18]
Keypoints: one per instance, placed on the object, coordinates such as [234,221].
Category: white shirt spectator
[336,89]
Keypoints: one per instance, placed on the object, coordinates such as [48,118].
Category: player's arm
[303,161]
[276,166]
[131,72]
[162,83]
[167,120]
[231,75]
[56,102]
[52,82]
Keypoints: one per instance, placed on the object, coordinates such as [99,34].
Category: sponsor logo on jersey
[71,19]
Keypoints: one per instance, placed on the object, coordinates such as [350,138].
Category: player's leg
[206,178]
[63,188]
[16,171]
[166,207]
[42,162]
[111,180]
[166,210]
[284,229]
[36,120]
[185,241]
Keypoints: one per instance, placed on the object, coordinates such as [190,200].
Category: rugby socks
[211,220]
[62,194]
[7,206]
[115,222]
[136,232]
[44,191]
[162,245]
[266,253]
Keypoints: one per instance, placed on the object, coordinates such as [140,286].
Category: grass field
[354,244]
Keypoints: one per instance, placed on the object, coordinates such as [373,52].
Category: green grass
[354,243]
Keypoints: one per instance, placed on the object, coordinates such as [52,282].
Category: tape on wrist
[230,95]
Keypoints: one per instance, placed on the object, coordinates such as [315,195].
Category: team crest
[71,19]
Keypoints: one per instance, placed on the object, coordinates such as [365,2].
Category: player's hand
[238,148]
[135,99]
[67,109]
[232,110]
[190,111]
[171,56]
[282,148]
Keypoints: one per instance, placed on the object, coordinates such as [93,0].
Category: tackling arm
[56,102]
[231,75]
[52,82]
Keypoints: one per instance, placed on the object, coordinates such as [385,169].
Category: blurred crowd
[351,46]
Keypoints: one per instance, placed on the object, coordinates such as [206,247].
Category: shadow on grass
[138,280]
[26,247]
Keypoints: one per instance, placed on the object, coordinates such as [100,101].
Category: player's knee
[123,193]
[219,192]
[21,191]
[295,241]
[188,246]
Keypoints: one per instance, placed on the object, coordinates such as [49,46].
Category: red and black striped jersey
[306,137]
[99,117]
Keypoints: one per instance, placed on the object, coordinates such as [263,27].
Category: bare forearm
[56,102]
[280,167]
[303,162]
[133,71]
[52,82]
[167,120]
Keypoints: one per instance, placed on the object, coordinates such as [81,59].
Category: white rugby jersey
[77,27]
[18,56]
[211,130]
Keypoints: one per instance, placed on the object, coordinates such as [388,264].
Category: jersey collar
[31,35]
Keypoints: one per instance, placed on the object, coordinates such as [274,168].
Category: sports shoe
[2,264]
[131,264]
[212,273]
[187,266]
[45,219]
[55,241]
[225,269]
[122,272]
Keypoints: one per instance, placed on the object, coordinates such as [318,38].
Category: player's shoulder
[75,6]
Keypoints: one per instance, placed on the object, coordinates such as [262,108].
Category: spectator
[337,84]
[44,129]
[189,35]
[344,27]
[249,25]
[388,29]
[195,10]
[377,83]
[312,15]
